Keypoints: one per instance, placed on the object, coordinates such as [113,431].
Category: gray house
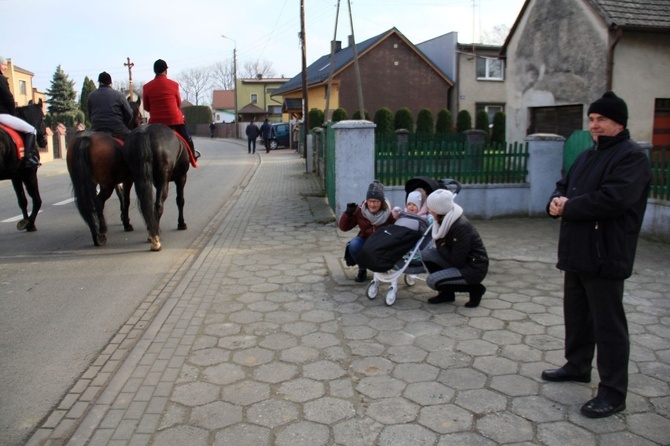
[563,54]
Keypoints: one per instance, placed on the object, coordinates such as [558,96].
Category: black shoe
[443,297]
[31,162]
[476,293]
[561,375]
[601,408]
[362,275]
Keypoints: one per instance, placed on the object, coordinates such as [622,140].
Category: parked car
[282,137]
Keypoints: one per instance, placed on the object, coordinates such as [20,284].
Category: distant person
[267,133]
[212,128]
[601,202]
[108,109]
[163,101]
[31,155]
[252,132]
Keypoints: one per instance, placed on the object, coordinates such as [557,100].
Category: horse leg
[28,221]
[161,196]
[100,239]
[180,183]
[123,192]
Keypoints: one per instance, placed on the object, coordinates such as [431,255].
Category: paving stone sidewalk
[265,339]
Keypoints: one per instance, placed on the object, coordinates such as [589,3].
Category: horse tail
[83,187]
[140,158]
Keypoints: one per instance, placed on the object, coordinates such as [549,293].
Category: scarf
[440,229]
[380,217]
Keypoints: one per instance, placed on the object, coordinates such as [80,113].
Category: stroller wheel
[373,289]
[390,296]
[410,279]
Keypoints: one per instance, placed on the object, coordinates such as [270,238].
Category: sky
[87,37]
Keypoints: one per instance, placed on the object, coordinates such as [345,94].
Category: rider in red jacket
[162,100]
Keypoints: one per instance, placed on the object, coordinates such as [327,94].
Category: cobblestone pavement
[265,339]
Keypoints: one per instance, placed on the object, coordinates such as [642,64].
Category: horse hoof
[22,225]
[128,228]
[100,240]
[182,226]
[31,228]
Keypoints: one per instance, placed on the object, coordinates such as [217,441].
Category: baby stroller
[395,250]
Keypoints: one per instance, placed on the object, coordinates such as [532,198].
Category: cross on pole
[130,66]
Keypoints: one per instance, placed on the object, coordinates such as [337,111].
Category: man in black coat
[601,203]
[252,132]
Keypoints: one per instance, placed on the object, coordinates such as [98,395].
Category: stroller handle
[451,184]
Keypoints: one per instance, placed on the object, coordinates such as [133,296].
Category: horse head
[33,114]
[137,116]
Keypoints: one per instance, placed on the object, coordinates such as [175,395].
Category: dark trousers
[251,144]
[183,131]
[595,318]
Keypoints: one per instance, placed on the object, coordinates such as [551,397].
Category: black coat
[607,189]
[7,104]
[463,248]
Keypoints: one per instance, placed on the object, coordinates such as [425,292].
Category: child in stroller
[395,250]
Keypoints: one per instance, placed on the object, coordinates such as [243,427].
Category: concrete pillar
[545,161]
[354,161]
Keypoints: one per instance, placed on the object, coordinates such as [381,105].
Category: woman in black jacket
[458,262]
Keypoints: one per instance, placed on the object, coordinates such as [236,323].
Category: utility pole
[357,70]
[130,66]
[330,67]
[303,43]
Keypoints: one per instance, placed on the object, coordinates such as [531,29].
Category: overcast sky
[86,37]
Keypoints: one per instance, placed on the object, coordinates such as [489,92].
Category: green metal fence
[397,162]
[660,173]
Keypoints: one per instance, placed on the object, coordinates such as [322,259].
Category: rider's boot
[31,156]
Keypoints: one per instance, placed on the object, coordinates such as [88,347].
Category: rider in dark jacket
[109,109]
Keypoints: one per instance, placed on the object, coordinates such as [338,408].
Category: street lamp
[237,125]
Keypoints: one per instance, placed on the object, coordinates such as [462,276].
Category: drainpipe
[610,57]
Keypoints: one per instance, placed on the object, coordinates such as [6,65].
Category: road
[62,299]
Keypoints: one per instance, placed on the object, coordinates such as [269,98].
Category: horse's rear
[95,159]
[157,156]
[24,180]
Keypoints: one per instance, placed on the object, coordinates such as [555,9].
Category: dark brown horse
[95,161]
[12,167]
[157,156]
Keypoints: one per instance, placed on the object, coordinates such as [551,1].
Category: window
[274,109]
[491,109]
[254,98]
[22,88]
[490,69]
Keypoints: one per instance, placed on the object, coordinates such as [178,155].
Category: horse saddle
[191,155]
[16,137]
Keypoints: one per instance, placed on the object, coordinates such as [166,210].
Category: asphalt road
[62,299]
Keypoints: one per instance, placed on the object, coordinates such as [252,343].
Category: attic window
[324,67]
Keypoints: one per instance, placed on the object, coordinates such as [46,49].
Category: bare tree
[195,84]
[495,36]
[223,75]
[254,69]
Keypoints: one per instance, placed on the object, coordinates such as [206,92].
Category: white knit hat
[441,201]
[414,197]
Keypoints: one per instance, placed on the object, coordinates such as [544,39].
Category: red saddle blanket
[191,155]
[16,137]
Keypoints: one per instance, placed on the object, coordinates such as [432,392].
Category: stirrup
[197,154]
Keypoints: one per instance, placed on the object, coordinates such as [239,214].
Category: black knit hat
[375,191]
[611,106]
[159,66]
[104,78]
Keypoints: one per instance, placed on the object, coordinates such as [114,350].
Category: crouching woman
[458,261]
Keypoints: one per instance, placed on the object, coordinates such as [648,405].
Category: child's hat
[414,197]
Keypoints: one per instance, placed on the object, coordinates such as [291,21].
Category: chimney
[351,40]
[259,76]
[335,46]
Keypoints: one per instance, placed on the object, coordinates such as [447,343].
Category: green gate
[329,165]
[579,141]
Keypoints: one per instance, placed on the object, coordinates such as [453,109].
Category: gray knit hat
[441,201]
[375,191]
[3,60]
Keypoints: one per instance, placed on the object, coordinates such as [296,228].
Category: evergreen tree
[403,120]
[86,89]
[357,115]
[463,121]
[445,122]
[424,123]
[482,121]
[384,121]
[498,133]
[339,114]
[316,118]
[62,96]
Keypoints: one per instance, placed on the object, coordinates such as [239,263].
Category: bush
[196,114]
[340,114]
[403,120]
[424,122]
[357,115]
[316,118]
[463,121]
[482,121]
[445,122]
[498,132]
[384,121]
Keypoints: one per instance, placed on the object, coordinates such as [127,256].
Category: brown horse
[95,160]
[12,167]
[157,156]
